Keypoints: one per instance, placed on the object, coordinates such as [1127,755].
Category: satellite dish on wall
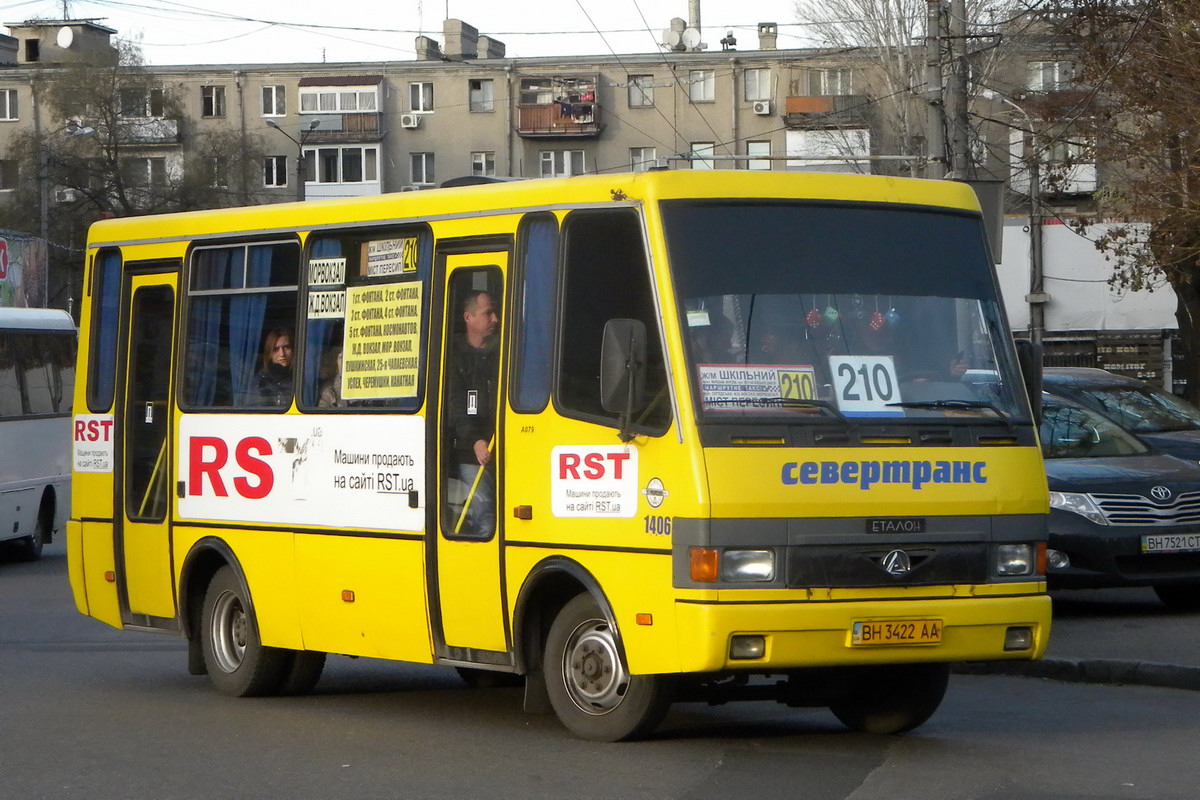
[672,39]
[691,38]
[66,37]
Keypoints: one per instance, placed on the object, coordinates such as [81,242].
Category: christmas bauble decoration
[877,322]
[831,315]
[813,319]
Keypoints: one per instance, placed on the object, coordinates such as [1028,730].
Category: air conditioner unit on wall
[410,121]
[762,108]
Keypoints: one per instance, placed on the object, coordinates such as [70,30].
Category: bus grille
[1134,509]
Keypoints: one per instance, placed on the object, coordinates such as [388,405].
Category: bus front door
[143,499]
[470,623]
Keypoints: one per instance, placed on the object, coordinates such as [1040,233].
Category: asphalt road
[90,712]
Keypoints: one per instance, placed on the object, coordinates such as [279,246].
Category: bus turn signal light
[705,564]
[347,596]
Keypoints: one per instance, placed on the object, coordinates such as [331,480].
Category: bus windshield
[811,310]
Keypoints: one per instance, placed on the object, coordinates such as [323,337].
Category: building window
[758,149]
[483,163]
[420,96]
[641,91]
[702,86]
[213,101]
[142,103]
[341,164]
[8,174]
[758,84]
[144,172]
[821,82]
[702,153]
[1051,76]
[422,168]
[561,163]
[481,94]
[642,158]
[328,100]
[835,150]
[275,171]
[8,104]
[274,101]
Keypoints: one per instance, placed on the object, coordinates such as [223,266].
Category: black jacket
[474,369]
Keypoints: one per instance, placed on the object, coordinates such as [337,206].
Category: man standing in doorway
[473,408]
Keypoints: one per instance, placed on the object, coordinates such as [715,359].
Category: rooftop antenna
[66,9]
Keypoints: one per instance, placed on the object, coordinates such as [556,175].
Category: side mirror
[1029,357]
[623,369]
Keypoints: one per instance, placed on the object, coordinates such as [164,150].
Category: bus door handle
[180,489]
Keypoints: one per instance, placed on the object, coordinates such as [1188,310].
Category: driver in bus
[472,406]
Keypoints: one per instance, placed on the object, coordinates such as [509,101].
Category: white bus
[37,379]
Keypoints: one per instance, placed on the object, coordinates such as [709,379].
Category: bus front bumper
[821,633]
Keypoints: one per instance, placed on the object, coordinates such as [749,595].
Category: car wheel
[589,685]
[1180,596]
[238,663]
[892,699]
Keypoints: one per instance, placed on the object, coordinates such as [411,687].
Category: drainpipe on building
[508,118]
[243,190]
[733,109]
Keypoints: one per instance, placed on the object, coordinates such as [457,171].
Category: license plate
[904,631]
[1171,543]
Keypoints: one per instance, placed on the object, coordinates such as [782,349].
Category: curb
[1091,670]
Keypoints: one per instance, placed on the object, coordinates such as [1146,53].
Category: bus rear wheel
[590,687]
[238,663]
[892,699]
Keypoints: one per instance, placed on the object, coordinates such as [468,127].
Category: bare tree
[1140,63]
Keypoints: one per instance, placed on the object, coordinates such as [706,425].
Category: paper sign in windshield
[755,387]
[382,352]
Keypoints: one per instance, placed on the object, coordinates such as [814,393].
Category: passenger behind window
[275,376]
[331,387]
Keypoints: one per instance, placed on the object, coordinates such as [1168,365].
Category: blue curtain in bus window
[536,333]
[246,312]
[107,311]
[212,270]
[320,333]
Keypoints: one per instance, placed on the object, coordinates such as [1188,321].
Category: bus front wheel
[238,663]
[893,698]
[589,685]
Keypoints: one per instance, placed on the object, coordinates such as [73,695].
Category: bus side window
[106,313]
[242,301]
[11,404]
[606,276]
[537,254]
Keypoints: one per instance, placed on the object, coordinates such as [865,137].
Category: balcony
[559,120]
[350,126]
[827,111]
[150,130]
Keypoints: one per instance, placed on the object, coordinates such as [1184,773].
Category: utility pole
[956,102]
[935,140]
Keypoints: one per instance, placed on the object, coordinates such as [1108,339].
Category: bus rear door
[143,487]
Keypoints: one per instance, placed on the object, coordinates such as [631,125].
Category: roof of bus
[36,319]
[509,196]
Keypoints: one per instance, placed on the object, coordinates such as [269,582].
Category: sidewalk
[1123,636]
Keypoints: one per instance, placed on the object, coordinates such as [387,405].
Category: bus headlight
[748,565]
[1015,559]
[1080,504]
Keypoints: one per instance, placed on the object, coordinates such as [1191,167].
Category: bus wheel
[892,699]
[1179,596]
[303,671]
[590,687]
[30,548]
[238,664]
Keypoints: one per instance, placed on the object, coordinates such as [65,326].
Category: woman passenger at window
[275,376]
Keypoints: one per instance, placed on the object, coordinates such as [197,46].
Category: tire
[589,685]
[1180,596]
[302,672]
[238,664]
[892,699]
[488,678]
[30,547]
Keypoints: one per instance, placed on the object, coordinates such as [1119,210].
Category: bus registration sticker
[902,631]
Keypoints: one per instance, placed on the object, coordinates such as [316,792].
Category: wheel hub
[594,676]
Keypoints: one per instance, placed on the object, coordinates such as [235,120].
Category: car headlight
[1015,559]
[748,565]
[1080,504]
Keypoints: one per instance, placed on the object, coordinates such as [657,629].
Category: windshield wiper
[980,404]
[785,402]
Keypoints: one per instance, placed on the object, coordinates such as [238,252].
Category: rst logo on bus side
[208,457]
